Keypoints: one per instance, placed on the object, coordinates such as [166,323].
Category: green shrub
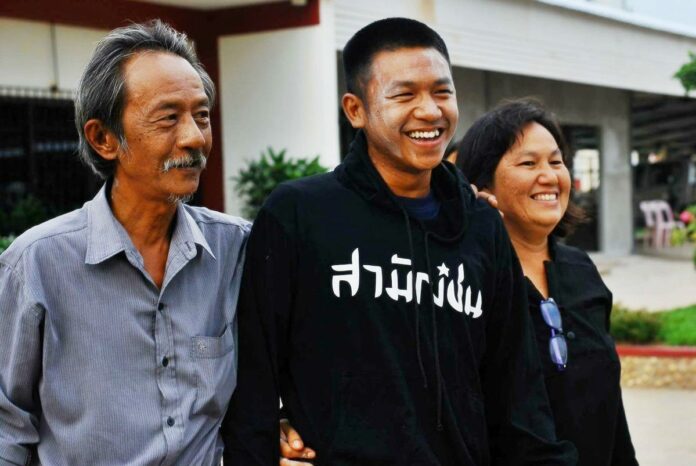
[678,326]
[5,242]
[634,326]
[687,74]
[27,213]
[255,182]
[678,237]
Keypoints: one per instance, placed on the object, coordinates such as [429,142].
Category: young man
[381,301]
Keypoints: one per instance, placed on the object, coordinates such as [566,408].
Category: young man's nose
[428,109]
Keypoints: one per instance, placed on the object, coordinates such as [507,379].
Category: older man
[117,320]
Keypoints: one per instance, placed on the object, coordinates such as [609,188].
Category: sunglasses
[558,347]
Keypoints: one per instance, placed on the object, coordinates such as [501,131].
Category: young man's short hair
[384,35]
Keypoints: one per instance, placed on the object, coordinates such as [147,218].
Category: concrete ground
[663,425]
[652,283]
[662,421]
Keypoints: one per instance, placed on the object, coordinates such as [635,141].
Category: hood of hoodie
[449,185]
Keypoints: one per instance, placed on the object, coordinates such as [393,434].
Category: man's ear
[103,141]
[354,109]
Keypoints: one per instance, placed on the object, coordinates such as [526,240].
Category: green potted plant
[256,181]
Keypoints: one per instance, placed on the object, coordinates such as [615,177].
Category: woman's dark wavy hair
[493,134]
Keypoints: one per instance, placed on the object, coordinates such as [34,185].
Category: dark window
[41,175]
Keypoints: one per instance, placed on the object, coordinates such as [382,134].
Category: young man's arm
[521,428]
[20,366]
[250,429]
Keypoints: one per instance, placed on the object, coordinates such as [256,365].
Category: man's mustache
[195,158]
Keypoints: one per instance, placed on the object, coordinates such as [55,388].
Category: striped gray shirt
[100,367]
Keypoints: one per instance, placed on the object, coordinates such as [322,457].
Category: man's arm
[20,366]
[250,428]
[520,421]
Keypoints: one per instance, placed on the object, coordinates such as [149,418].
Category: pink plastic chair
[659,220]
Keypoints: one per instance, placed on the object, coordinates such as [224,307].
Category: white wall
[278,89]
[529,38]
[27,57]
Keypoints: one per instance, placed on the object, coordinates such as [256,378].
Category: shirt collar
[187,232]
[107,237]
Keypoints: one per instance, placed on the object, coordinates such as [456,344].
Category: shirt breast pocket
[216,371]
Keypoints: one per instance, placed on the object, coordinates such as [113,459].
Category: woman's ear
[102,140]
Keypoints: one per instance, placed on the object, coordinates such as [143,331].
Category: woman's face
[531,183]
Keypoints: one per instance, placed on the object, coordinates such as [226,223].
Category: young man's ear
[354,109]
[102,140]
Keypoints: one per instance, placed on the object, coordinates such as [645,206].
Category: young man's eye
[445,92]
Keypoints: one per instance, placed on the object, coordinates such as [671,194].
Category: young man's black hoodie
[390,341]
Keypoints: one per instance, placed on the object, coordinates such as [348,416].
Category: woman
[516,153]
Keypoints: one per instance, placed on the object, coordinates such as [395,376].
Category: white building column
[616,190]
[278,89]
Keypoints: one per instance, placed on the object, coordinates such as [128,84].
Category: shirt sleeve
[20,366]
[520,421]
[250,429]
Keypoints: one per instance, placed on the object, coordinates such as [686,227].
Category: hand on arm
[488,197]
[292,447]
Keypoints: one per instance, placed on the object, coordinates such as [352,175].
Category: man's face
[410,109]
[166,124]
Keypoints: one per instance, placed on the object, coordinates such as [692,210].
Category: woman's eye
[527,163]
[557,162]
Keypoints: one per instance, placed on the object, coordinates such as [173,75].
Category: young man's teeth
[545,197]
[425,134]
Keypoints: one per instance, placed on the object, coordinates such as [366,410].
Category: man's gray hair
[101,92]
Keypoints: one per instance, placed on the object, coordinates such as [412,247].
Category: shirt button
[170,421]
[571,335]
[165,361]
[160,307]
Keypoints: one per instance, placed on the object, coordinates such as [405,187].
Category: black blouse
[586,397]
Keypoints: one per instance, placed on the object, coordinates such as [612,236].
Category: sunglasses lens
[551,314]
[558,349]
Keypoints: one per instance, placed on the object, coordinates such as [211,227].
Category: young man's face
[409,110]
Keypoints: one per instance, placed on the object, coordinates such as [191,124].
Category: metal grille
[40,173]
